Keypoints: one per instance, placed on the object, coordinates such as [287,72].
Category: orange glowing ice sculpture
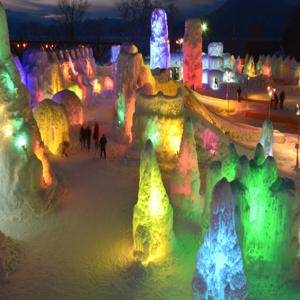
[47,179]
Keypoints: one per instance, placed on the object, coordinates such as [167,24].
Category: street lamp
[298,138]
[271,91]
[204,27]
[228,79]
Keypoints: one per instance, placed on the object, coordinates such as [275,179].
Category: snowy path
[83,250]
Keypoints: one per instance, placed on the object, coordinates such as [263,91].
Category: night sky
[101,8]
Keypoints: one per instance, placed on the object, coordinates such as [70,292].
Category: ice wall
[192,53]
[49,72]
[21,171]
[219,270]
[159,41]
[160,118]
[10,253]
[153,214]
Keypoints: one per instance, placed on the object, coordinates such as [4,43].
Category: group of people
[275,100]
[85,137]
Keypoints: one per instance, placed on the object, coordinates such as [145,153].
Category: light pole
[270,92]
[298,138]
[228,78]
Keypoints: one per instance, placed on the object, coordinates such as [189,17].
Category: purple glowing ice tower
[159,41]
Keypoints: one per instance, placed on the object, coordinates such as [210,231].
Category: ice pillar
[153,214]
[185,181]
[266,139]
[159,41]
[192,54]
[220,271]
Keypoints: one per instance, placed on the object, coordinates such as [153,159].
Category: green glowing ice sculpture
[268,212]
[153,214]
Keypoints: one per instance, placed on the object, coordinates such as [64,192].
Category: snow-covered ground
[83,249]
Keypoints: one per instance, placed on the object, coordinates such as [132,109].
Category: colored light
[8,131]
[21,142]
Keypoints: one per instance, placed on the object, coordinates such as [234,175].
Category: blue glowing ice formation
[220,272]
[159,41]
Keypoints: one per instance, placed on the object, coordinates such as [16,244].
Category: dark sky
[102,8]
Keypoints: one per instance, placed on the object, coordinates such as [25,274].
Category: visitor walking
[276,100]
[239,93]
[281,99]
[88,133]
[102,144]
[96,135]
[82,137]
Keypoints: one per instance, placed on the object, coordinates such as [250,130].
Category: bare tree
[73,12]
[136,14]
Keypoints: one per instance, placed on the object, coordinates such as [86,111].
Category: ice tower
[153,214]
[192,54]
[220,271]
[159,41]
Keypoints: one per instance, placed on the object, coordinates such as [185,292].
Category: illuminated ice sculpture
[153,214]
[159,41]
[20,168]
[192,54]
[266,139]
[53,125]
[219,270]
[185,180]
[268,210]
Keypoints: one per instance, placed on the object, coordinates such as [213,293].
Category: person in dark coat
[239,93]
[102,144]
[96,134]
[88,133]
[281,99]
[276,100]
[82,137]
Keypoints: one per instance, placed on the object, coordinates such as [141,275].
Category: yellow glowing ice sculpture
[53,125]
[153,214]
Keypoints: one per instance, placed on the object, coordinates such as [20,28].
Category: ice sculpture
[153,214]
[53,125]
[48,72]
[192,54]
[9,256]
[160,118]
[219,270]
[185,180]
[215,49]
[266,139]
[21,171]
[216,171]
[72,106]
[159,41]
[130,62]
[268,210]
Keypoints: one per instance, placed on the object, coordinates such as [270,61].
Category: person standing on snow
[88,132]
[96,135]
[102,144]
